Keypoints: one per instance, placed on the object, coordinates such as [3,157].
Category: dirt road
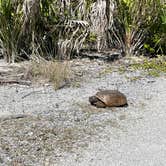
[62,128]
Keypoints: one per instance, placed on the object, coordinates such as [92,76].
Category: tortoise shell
[108,98]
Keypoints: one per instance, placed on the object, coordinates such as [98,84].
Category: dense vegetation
[55,28]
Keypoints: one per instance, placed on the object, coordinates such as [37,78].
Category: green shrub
[10,28]
[139,25]
[157,33]
[153,66]
[47,27]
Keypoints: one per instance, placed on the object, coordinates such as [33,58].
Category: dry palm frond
[101,21]
[31,11]
[80,9]
[75,32]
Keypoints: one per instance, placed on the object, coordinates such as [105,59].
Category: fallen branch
[20,82]
[18,116]
[30,93]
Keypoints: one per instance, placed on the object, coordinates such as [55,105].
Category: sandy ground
[41,126]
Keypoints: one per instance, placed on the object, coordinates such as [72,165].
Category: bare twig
[20,82]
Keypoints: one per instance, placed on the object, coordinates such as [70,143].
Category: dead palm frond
[101,17]
[74,33]
[31,12]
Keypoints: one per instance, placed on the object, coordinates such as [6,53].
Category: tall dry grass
[56,73]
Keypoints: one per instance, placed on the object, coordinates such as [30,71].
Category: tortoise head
[94,100]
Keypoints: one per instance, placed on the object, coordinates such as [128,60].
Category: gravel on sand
[41,126]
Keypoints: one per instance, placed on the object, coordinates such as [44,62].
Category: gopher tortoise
[108,98]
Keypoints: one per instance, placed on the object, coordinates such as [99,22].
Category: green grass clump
[106,71]
[154,67]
